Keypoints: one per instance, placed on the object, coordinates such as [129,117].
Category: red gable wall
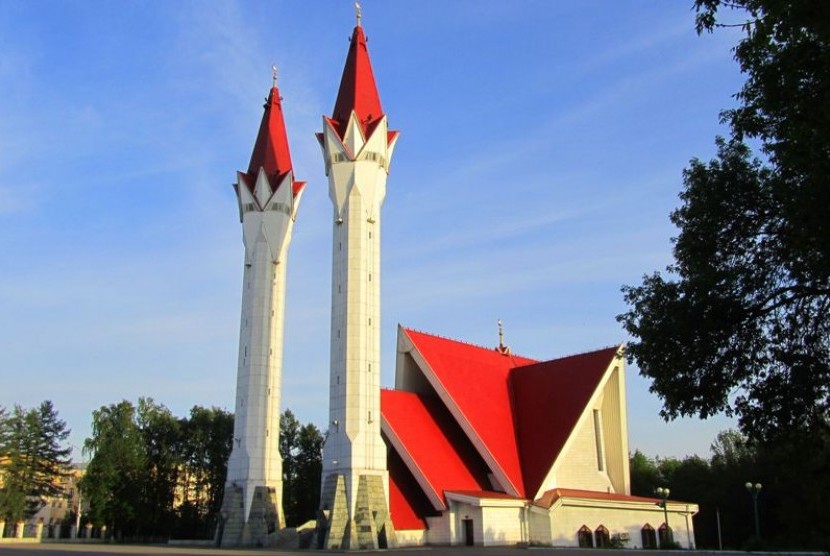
[548,399]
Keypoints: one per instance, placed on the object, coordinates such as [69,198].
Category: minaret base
[371,527]
[263,520]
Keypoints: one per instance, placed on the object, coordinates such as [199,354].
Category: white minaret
[268,200]
[357,147]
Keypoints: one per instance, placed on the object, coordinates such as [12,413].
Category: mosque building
[474,445]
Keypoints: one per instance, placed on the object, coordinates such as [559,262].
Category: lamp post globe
[754,490]
[663,493]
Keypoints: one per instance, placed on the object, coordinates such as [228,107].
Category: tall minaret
[268,200]
[357,147]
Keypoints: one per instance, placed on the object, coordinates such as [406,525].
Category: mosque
[474,445]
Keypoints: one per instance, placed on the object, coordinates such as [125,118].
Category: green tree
[740,322]
[289,448]
[206,446]
[309,472]
[161,434]
[115,477]
[644,475]
[795,474]
[302,466]
[31,459]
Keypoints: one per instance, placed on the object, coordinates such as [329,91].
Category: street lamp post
[754,491]
[663,493]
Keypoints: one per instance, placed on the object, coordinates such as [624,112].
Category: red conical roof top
[271,147]
[358,91]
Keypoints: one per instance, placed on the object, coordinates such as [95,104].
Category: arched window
[603,539]
[586,538]
[665,535]
[649,536]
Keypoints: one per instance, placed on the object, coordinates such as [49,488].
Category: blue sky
[541,152]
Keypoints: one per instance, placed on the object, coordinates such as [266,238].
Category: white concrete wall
[415,537]
[578,464]
[615,430]
[539,526]
[440,529]
[566,521]
[503,526]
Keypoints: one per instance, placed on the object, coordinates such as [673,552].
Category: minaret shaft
[255,459]
[354,444]
[268,198]
[355,490]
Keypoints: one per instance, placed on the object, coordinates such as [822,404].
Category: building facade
[490,448]
[474,445]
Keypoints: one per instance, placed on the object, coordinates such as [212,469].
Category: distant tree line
[795,481]
[32,459]
[153,476]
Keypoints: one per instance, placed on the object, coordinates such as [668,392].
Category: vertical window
[586,539]
[649,536]
[603,539]
[598,438]
[665,536]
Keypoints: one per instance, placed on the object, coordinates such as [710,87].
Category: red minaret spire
[271,152]
[358,91]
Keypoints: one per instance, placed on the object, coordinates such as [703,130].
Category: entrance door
[468,532]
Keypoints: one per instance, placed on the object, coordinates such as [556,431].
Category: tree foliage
[153,475]
[208,437]
[795,477]
[741,321]
[32,459]
[301,447]
[112,485]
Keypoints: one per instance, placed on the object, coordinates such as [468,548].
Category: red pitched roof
[358,91]
[433,440]
[550,497]
[271,151]
[484,494]
[548,399]
[476,380]
[408,505]
[521,412]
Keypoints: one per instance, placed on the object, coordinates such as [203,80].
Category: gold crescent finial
[274,75]
[358,12]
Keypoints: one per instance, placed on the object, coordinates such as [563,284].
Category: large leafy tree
[153,475]
[32,459]
[115,477]
[301,448]
[741,321]
[161,434]
[207,438]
